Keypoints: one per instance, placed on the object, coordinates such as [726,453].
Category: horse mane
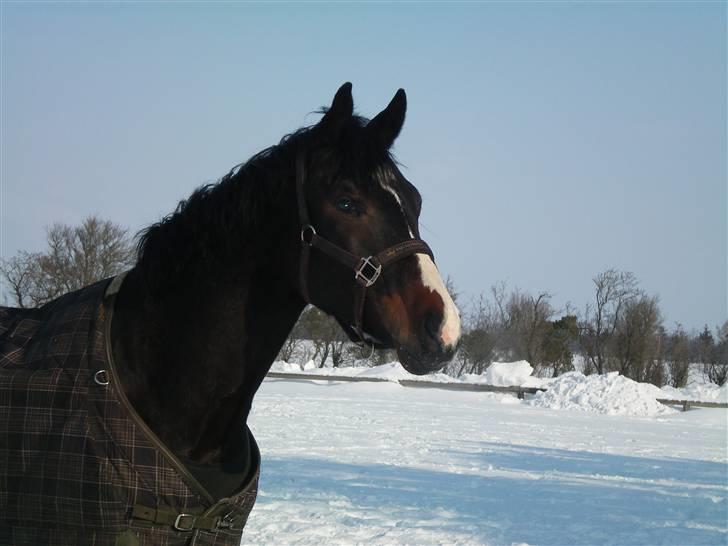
[225,218]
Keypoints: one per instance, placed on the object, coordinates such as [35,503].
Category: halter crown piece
[367,269]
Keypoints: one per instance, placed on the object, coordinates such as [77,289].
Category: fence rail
[315,377]
[520,392]
[473,387]
[687,404]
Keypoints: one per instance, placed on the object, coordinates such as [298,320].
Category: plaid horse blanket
[77,464]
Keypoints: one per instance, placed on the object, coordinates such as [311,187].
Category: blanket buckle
[184,522]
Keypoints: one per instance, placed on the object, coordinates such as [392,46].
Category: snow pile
[282,366]
[507,374]
[705,392]
[310,365]
[285,367]
[610,394]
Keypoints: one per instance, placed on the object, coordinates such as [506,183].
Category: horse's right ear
[342,107]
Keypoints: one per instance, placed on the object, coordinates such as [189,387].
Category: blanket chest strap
[180,521]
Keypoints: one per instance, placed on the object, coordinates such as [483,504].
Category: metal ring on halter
[304,229]
[97,377]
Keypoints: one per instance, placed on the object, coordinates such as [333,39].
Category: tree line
[75,256]
[621,329]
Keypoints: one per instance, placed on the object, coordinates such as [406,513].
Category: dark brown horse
[217,289]
[325,217]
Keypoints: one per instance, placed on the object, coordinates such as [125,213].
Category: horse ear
[388,123]
[342,107]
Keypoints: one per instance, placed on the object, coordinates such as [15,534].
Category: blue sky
[550,141]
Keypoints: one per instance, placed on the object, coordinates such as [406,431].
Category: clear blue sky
[550,141]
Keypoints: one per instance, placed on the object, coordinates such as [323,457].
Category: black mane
[223,220]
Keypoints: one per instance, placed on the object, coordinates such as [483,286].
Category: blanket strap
[183,521]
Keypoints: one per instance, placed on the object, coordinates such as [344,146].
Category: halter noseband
[367,270]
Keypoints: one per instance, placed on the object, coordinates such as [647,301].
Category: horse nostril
[432,326]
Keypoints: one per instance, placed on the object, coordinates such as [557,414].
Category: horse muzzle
[424,363]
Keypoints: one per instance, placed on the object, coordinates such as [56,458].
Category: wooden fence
[687,404]
[520,392]
[315,377]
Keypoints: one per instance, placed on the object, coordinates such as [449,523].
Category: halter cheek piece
[367,270]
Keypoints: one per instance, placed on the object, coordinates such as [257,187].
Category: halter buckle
[368,271]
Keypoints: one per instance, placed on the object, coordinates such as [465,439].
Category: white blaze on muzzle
[450,327]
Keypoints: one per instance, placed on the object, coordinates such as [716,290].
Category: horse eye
[346,204]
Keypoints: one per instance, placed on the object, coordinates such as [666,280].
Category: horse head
[367,266]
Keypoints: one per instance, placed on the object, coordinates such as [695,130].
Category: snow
[388,372]
[286,367]
[506,374]
[379,463]
[610,394]
[705,392]
[391,372]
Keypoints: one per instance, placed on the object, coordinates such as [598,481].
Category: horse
[179,344]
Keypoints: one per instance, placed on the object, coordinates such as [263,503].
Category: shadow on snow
[502,493]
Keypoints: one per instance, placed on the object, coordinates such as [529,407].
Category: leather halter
[367,269]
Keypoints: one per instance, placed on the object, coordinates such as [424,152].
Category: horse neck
[192,359]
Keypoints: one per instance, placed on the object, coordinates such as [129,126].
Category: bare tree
[717,368]
[500,320]
[704,347]
[476,351]
[289,348]
[613,290]
[76,257]
[328,339]
[557,344]
[506,325]
[482,330]
[295,349]
[678,357]
[637,341]
[21,273]
[528,324]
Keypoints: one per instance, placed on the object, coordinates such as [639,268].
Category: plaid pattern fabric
[73,460]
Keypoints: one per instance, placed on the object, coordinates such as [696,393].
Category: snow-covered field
[379,463]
